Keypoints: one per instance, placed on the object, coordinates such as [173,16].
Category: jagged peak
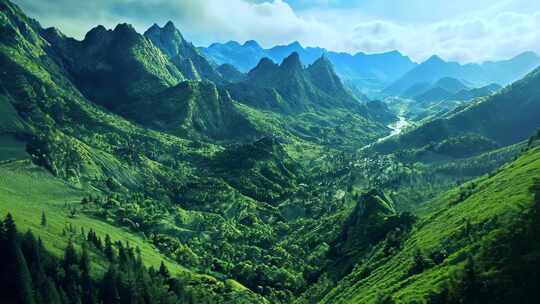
[96,33]
[292,61]
[53,31]
[323,60]
[124,28]
[154,28]
[169,26]
[264,62]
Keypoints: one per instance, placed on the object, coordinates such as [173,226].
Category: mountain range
[390,73]
[474,75]
[368,71]
[134,168]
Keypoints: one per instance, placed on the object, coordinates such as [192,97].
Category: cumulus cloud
[498,32]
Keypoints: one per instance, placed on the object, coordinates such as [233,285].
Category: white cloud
[500,31]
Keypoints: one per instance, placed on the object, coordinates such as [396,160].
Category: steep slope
[501,72]
[230,73]
[139,81]
[505,118]
[112,67]
[182,53]
[212,208]
[195,110]
[82,152]
[469,243]
[476,92]
[294,87]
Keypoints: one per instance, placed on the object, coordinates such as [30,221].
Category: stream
[397,127]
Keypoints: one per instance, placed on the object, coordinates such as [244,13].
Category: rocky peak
[97,33]
[292,62]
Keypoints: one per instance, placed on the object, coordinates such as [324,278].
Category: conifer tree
[15,280]
[109,288]
[109,251]
[86,280]
[43,219]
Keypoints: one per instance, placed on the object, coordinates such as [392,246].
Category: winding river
[397,127]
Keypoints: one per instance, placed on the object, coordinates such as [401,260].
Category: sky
[457,30]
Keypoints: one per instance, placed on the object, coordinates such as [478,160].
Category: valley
[136,167]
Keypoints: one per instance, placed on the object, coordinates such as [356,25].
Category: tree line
[29,274]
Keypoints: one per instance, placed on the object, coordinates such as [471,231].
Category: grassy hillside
[27,190]
[459,223]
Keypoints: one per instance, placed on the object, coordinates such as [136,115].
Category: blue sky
[460,30]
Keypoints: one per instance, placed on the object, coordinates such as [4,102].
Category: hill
[477,75]
[503,118]
[452,246]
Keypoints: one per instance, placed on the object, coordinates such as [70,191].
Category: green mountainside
[502,119]
[134,170]
[182,53]
[459,251]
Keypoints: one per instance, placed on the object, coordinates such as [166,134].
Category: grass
[26,191]
[494,202]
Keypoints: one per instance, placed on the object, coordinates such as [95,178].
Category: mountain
[415,266]
[112,67]
[501,119]
[146,164]
[183,54]
[243,57]
[477,75]
[442,89]
[122,180]
[192,110]
[366,71]
[291,87]
[230,73]
[467,94]
[160,99]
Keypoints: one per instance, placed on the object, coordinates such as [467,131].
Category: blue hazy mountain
[473,74]
[366,71]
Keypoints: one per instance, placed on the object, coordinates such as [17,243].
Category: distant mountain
[183,54]
[502,119]
[230,73]
[443,89]
[467,94]
[367,71]
[476,75]
[289,87]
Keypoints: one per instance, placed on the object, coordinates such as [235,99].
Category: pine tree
[109,251]
[86,280]
[163,271]
[15,278]
[71,279]
[32,252]
[109,288]
[43,219]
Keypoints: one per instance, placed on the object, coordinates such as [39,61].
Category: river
[397,127]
